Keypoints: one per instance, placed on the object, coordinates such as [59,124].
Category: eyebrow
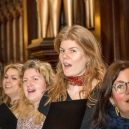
[119,81]
[32,76]
[11,75]
[70,48]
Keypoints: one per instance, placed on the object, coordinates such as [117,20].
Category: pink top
[28,124]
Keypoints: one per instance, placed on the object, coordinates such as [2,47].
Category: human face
[72,58]
[33,84]
[11,83]
[121,100]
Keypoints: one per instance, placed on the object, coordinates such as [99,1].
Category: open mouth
[7,86]
[67,65]
[31,91]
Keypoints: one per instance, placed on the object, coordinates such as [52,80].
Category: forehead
[31,71]
[69,43]
[123,75]
[12,71]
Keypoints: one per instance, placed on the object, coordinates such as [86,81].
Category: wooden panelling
[114,29]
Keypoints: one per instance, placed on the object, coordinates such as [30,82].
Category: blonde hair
[15,107]
[47,72]
[95,68]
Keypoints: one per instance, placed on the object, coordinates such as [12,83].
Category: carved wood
[43,49]
[11,28]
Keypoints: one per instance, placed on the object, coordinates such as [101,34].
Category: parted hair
[15,107]
[95,68]
[103,103]
[48,73]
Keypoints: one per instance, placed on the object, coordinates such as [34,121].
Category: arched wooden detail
[11,28]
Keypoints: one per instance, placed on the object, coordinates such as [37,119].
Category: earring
[117,110]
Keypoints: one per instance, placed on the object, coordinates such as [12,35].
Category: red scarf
[76,81]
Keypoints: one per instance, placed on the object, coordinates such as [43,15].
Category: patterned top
[28,124]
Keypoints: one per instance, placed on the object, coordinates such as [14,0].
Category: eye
[24,80]
[5,77]
[72,50]
[35,79]
[120,86]
[62,50]
[14,78]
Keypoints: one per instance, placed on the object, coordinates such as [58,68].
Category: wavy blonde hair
[95,68]
[15,107]
[47,72]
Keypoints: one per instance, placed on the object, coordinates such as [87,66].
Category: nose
[28,83]
[65,55]
[7,79]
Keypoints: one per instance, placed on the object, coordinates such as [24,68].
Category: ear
[112,101]
[88,59]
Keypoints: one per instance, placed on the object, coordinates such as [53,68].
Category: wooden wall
[43,48]
[111,28]
[11,31]
[114,29]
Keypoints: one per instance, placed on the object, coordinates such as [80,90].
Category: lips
[31,90]
[7,86]
[66,65]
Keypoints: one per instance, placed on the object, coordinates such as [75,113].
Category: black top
[86,124]
[65,114]
[7,118]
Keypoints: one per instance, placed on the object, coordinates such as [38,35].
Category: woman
[80,69]
[112,109]
[12,86]
[11,90]
[38,76]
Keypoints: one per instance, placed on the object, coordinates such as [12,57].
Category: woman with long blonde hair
[38,76]
[80,69]
[12,86]
[11,91]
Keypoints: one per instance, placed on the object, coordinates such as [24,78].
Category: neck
[72,87]
[35,105]
[74,92]
[125,115]
[76,81]
[14,99]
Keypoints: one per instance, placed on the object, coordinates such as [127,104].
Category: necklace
[76,81]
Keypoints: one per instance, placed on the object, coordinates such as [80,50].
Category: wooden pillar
[114,29]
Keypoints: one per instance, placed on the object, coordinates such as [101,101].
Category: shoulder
[86,124]
[42,107]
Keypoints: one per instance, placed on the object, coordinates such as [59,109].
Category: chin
[69,75]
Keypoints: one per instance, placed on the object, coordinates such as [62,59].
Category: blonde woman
[12,85]
[12,89]
[38,77]
[80,69]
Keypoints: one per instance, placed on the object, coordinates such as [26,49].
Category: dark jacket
[7,118]
[86,124]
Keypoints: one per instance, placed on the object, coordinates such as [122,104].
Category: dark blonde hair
[95,68]
[47,72]
[7,99]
